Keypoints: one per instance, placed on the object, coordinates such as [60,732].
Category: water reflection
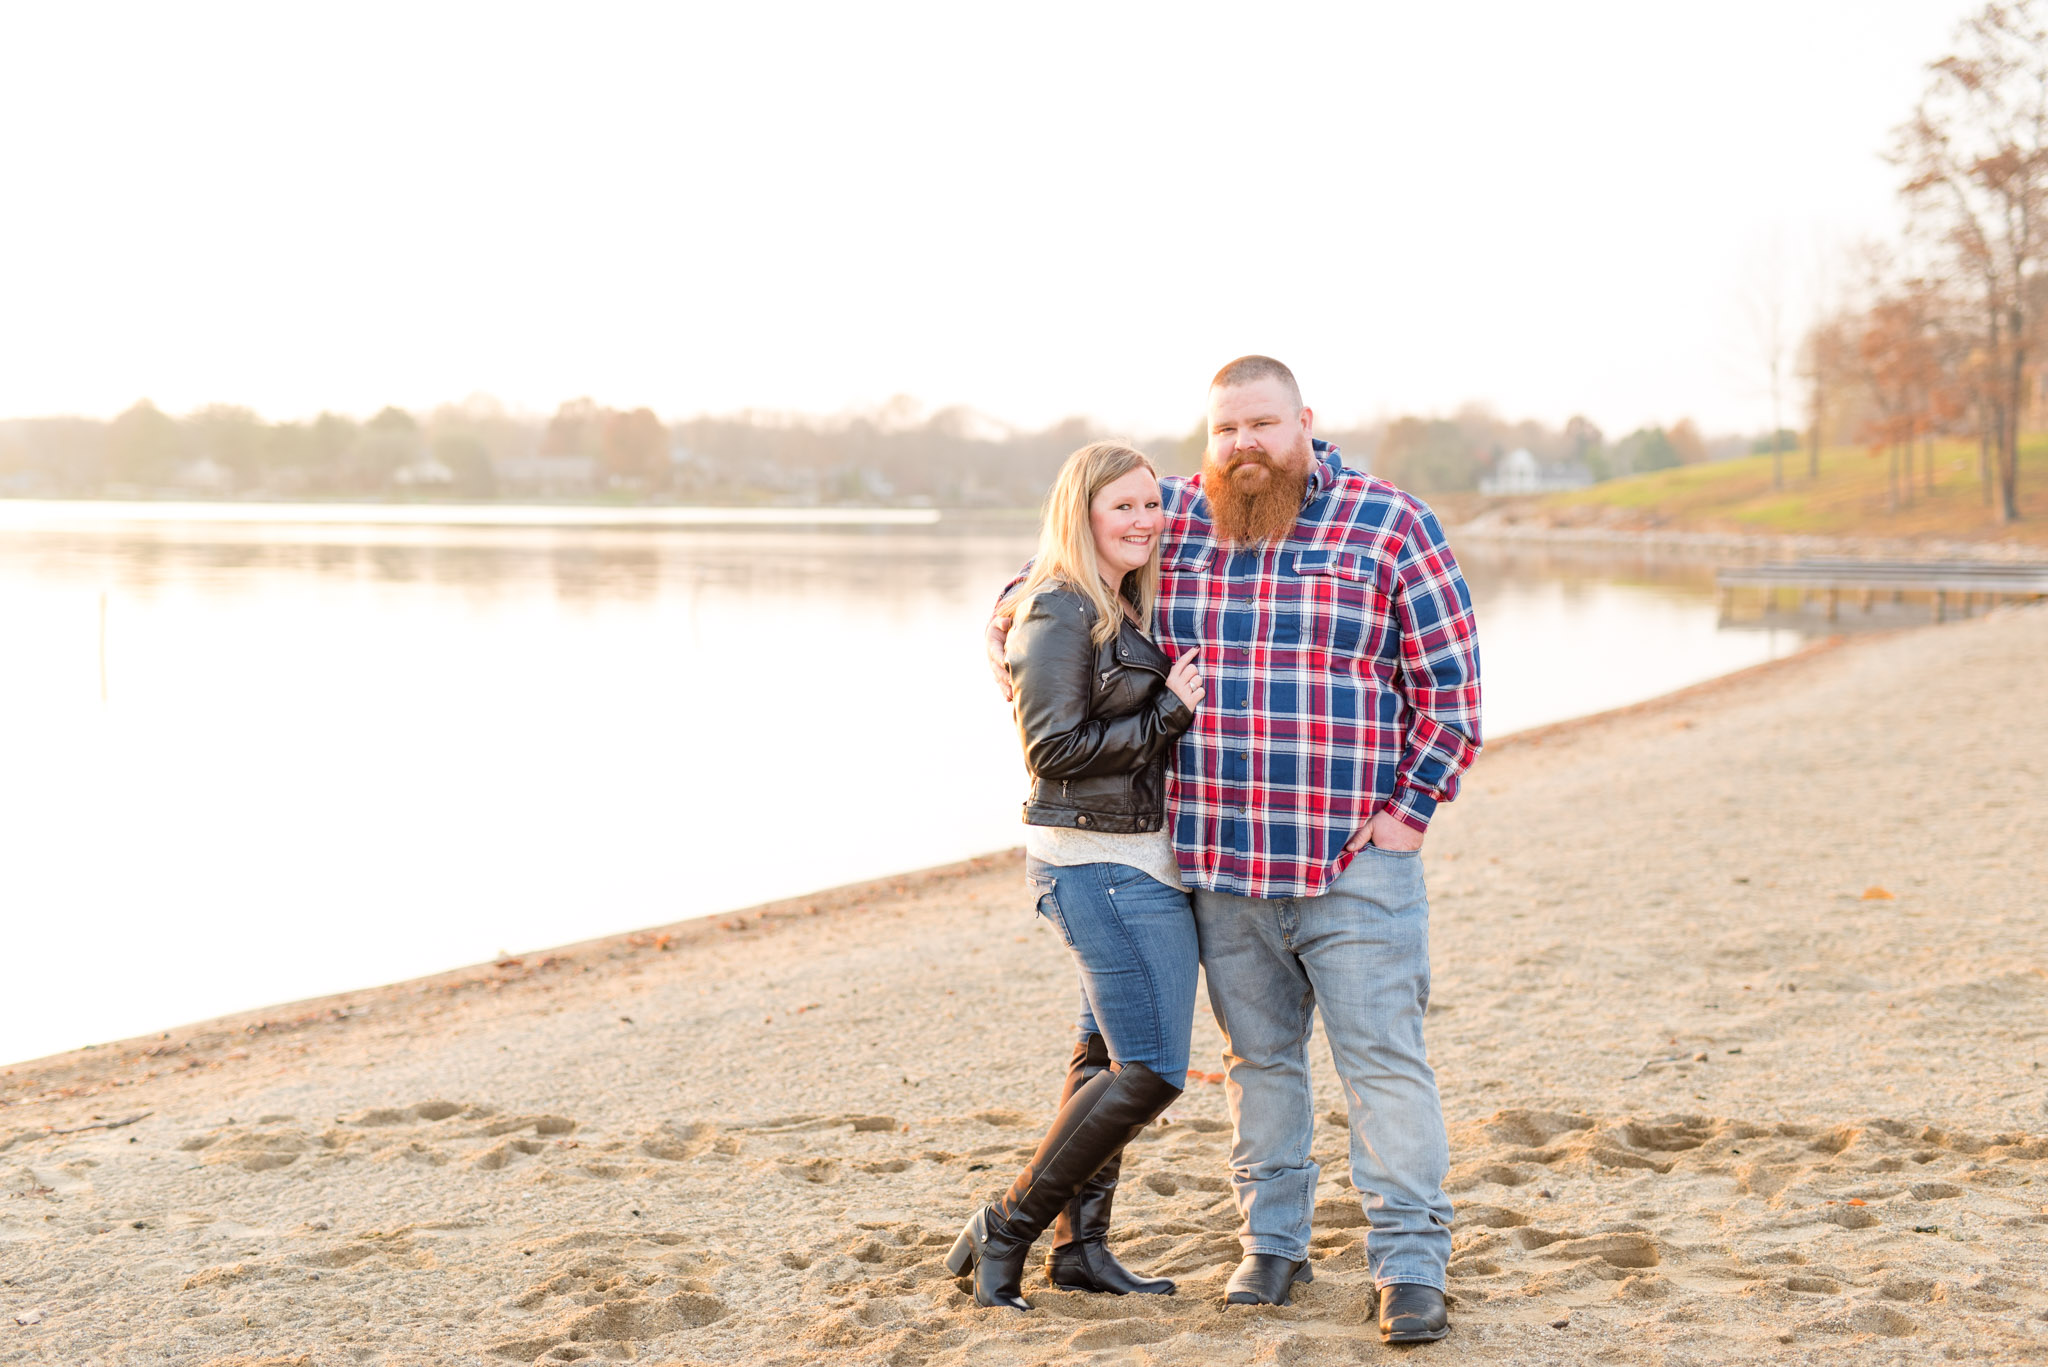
[339,755]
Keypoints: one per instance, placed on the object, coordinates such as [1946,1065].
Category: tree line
[479,449]
[897,453]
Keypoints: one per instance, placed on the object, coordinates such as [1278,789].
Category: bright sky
[1036,210]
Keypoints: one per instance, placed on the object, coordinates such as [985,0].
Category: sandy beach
[1740,1007]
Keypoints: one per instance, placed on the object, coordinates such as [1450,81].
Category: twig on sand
[1661,1058]
[103,1124]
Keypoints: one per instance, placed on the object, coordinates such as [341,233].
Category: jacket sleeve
[1439,674]
[1052,666]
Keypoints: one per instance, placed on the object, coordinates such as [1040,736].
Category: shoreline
[1738,1041]
[303,1013]
[1493,525]
[1737,1060]
[216,1036]
[1732,547]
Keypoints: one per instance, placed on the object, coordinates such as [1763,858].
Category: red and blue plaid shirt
[1341,673]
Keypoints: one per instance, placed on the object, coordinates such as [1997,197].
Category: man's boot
[1265,1279]
[1101,1116]
[1412,1313]
[1081,1260]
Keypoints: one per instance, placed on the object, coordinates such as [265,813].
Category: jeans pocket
[1394,854]
[1122,876]
[1049,907]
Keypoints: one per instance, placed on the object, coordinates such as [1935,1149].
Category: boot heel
[960,1261]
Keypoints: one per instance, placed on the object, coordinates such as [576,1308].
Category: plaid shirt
[1341,674]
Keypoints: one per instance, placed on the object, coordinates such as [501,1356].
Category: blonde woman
[1099,707]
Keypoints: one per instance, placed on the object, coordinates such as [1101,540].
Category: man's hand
[1387,831]
[998,657]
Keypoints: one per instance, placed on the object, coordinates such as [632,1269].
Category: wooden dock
[1950,586]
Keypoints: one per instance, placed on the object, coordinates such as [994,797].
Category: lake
[260,754]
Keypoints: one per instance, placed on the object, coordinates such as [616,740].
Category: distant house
[1519,472]
[206,475]
[426,472]
[545,474]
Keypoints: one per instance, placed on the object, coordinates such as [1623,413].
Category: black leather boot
[1411,1313]
[1101,1116]
[1265,1279]
[1081,1260]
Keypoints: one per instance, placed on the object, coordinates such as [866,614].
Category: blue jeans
[1133,939]
[1359,953]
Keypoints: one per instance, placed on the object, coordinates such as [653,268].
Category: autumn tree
[1828,365]
[1909,367]
[633,447]
[1975,154]
[1689,446]
[144,445]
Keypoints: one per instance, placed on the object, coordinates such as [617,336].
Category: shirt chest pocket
[1331,596]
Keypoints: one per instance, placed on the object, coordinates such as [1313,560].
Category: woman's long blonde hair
[1066,538]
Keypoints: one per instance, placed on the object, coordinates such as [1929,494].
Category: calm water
[333,754]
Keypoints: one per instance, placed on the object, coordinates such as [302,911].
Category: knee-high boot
[1081,1260]
[1101,1116]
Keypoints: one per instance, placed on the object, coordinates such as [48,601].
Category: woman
[1099,707]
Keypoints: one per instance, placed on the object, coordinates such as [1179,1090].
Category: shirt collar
[1323,470]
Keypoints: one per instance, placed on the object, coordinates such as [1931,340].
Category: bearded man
[1342,671]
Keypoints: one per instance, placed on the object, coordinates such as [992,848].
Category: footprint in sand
[430,1132]
[254,1148]
[606,1294]
[1731,1205]
[676,1143]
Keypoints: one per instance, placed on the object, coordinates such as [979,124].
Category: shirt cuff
[1412,808]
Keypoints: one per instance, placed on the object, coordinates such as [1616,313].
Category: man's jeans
[1360,952]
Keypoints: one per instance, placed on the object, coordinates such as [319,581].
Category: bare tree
[1827,362]
[1976,157]
[1774,340]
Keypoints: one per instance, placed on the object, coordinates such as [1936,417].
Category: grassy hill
[1847,499]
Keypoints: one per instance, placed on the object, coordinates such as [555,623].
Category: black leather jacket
[1098,722]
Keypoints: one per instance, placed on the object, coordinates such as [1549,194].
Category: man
[1343,704]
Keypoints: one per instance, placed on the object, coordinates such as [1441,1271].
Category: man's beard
[1250,512]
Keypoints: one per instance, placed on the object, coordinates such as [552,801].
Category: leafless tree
[1774,340]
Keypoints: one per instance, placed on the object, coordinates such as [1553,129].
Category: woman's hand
[1185,679]
[996,641]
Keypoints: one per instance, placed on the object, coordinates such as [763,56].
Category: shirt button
[1247,702]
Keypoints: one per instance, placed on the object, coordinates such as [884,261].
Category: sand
[1741,1000]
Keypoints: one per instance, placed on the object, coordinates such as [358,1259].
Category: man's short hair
[1252,369]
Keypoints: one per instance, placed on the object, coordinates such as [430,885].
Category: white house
[545,474]
[1519,472]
